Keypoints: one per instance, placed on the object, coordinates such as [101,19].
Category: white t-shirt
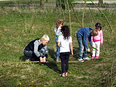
[64,43]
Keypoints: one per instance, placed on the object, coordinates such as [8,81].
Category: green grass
[19,26]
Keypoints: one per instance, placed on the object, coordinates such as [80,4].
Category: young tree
[100,2]
[57,3]
[47,1]
[42,3]
[60,3]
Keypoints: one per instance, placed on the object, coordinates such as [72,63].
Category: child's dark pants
[64,61]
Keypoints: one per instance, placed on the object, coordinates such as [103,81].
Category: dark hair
[65,31]
[98,25]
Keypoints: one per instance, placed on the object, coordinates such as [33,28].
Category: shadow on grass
[24,58]
[52,54]
[76,52]
[53,66]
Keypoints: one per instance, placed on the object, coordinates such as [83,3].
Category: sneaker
[97,57]
[57,59]
[92,57]
[81,60]
[86,58]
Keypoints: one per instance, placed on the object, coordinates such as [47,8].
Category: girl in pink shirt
[97,40]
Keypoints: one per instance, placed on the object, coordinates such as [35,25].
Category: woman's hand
[88,50]
[43,60]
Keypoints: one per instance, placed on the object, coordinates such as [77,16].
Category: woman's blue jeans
[82,50]
[28,53]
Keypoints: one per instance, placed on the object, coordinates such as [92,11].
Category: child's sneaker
[57,59]
[92,57]
[81,60]
[97,57]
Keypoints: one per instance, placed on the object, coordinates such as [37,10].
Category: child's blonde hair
[94,32]
[60,21]
[45,37]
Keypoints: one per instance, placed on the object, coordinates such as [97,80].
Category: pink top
[99,37]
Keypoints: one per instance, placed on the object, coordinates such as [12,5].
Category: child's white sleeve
[70,39]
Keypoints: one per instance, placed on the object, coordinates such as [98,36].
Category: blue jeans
[57,50]
[82,50]
[31,56]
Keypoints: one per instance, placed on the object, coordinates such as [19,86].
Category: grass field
[19,26]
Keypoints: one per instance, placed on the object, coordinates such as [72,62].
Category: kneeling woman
[37,49]
[65,44]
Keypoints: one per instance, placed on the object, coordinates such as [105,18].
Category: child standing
[65,44]
[97,40]
[58,32]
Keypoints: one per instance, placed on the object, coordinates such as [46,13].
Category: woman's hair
[65,31]
[45,37]
[94,32]
[60,21]
[98,25]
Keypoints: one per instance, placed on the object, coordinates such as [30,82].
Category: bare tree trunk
[60,3]
[47,1]
[100,3]
[42,3]
[63,4]
[57,3]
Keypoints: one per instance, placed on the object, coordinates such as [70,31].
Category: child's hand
[59,28]
[101,44]
[71,53]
